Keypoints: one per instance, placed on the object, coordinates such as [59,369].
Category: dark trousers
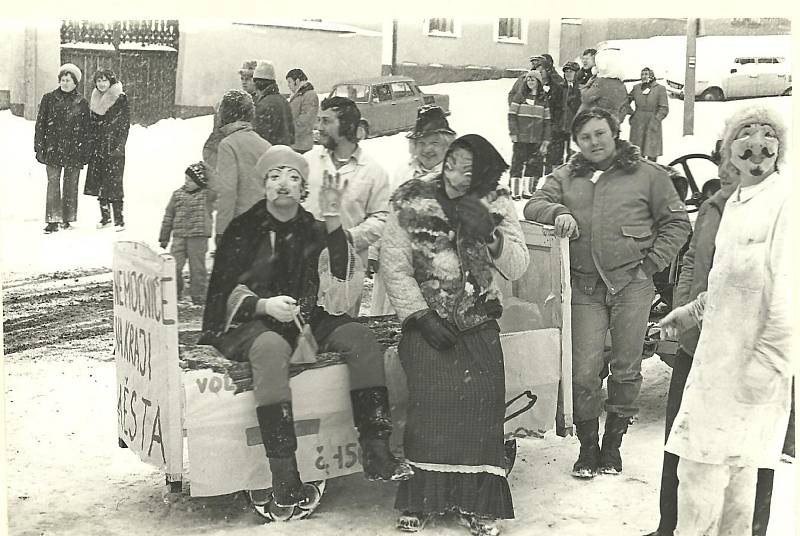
[668,500]
[62,203]
[526,160]
[194,250]
[555,151]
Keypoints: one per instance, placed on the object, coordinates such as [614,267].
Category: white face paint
[283,185]
[457,172]
[754,152]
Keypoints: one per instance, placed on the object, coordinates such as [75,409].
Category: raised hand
[330,195]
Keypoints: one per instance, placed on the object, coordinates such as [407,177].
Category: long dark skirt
[454,428]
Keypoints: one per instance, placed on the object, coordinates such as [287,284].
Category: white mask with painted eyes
[754,152]
[283,183]
[457,172]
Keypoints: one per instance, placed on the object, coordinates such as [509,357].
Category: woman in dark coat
[109,125]
[60,143]
[447,244]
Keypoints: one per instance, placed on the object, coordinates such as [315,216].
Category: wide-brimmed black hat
[430,119]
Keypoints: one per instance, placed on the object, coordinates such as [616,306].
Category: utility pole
[692,27]
[389,48]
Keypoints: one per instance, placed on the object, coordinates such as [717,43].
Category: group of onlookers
[542,105]
[298,226]
[71,133]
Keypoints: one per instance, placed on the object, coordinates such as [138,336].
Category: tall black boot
[589,457]
[374,423]
[105,214]
[277,432]
[610,457]
[119,220]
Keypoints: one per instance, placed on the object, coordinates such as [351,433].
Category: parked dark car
[388,104]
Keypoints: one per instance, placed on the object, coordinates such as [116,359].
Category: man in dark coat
[273,117]
[266,282]
[588,70]
[554,89]
[571,103]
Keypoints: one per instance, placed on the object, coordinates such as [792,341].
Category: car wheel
[363,130]
[787,93]
[712,94]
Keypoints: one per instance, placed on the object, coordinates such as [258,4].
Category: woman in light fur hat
[736,403]
[60,143]
[110,122]
[606,90]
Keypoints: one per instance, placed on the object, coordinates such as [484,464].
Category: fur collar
[305,87]
[627,159]
[102,102]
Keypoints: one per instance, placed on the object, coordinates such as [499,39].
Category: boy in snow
[188,219]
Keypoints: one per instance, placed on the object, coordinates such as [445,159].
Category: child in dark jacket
[188,220]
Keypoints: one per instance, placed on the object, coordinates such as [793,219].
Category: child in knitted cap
[188,219]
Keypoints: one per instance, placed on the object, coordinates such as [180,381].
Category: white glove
[281,308]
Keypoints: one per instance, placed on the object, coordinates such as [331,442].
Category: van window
[745,61]
[354,92]
[768,60]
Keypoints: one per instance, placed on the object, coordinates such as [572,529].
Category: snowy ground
[66,474]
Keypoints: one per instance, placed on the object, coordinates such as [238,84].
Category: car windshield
[354,92]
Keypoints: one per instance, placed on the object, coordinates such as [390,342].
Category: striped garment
[529,120]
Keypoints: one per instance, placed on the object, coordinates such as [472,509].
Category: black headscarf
[487,168]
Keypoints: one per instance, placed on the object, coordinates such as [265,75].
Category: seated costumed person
[447,244]
[276,263]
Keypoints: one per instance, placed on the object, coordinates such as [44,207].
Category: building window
[442,27]
[511,31]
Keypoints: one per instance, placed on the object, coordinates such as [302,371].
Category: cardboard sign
[146,355]
[226,453]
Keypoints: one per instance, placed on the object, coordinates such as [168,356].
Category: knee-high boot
[610,457]
[588,459]
[374,424]
[277,432]
[119,220]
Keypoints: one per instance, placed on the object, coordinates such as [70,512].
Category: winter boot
[589,457]
[51,227]
[515,186]
[526,187]
[119,221]
[105,215]
[610,457]
[277,432]
[374,424]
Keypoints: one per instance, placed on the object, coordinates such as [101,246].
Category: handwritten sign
[146,355]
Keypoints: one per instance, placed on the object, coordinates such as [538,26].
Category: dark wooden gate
[143,54]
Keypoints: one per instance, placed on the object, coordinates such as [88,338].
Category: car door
[771,76]
[381,117]
[407,102]
[743,79]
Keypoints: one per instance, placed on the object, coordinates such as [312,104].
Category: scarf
[102,101]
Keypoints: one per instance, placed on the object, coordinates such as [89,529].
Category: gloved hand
[475,219]
[281,308]
[330,195]
[164,244]
[435,331]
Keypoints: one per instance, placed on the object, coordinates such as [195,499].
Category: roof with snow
[311,24]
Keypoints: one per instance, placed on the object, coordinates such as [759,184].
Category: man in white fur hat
[736,403]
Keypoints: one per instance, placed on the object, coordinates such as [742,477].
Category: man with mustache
[736,403]
[365,202]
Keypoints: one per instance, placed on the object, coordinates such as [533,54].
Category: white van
[735,67]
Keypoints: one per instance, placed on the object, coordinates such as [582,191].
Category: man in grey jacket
[304,103]
[626,223]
